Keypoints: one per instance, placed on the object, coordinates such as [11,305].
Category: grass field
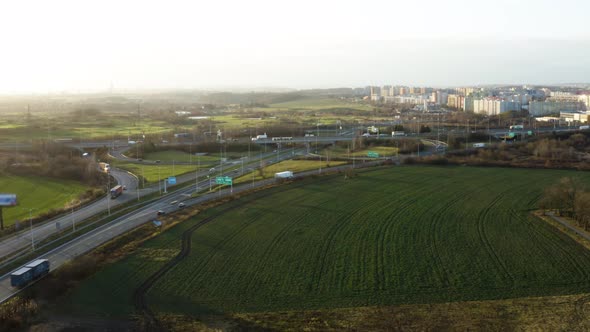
[38,193]
[180,156]
[287,165]
[383,151]
[389,236]
[152,173]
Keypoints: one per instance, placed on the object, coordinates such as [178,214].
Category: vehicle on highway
[181,205]
[584,127]
[212,170]
[161,212]
[116,191]
[284,175]
[26,274]
[173,202]
[157,161]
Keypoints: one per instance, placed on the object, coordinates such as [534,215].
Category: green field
[38,193]
[287,165]
[180,156]
[389,236]
[152,173]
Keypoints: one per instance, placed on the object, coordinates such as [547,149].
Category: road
[104,233]
[567,225]
[25,238]
[23,241]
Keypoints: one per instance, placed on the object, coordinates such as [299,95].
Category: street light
[32,233]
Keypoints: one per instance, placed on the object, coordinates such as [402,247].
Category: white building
[494,106]
[538,108]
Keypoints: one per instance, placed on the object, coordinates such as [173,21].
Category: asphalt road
[25,238]
[22,242]
[104,233]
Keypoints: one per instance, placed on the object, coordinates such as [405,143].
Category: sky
[53,46]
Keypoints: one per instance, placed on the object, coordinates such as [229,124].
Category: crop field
[386,237]
[38,193]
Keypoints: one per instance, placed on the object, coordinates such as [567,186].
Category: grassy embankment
[38,193]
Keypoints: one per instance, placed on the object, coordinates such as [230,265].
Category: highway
[104,233]
[23,239]
[22,242]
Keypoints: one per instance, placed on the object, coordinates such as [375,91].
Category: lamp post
[32,233]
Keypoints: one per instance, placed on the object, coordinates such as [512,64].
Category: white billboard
[7,199]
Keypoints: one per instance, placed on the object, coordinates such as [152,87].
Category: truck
[116,191]
[25,274]
[263,136]
[479,145]
[398,133]
[284,175]
[105,167]
[40,267]
[516,127]
[21,277]
[584,127]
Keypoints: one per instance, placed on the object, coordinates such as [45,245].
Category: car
[161,212]
[139,159]
[212,169]
[173,202]
[124,187]
[181,205]
[157,161]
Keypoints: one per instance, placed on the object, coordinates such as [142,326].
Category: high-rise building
[495,106]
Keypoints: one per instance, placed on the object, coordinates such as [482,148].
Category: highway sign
[224,180]
[511,135]
[7,199]
[372,154]
[530,133]
[172,180]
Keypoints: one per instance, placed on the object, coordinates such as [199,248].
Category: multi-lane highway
[102,234]
[23,241]
[26,238]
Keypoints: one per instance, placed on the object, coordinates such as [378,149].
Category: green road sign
[223,180]
[530,133]
[372,154]
[511,135]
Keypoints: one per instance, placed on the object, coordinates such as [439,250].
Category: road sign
[172,180]
[511,135]
[530,133]
[372,154]
[224,180]
[7,199]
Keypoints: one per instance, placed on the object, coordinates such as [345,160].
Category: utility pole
[108,191]
[197,173]
[73,221]
[32,233]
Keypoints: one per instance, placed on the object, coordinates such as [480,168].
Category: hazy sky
[85,45]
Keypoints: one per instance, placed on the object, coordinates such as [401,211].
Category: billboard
[8,200]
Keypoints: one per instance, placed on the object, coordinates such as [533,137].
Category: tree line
[570,198]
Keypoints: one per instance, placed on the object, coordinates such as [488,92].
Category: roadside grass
[180,156]
[341,152]
[152,173]
[386,237]
[286,165]
[38,193]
